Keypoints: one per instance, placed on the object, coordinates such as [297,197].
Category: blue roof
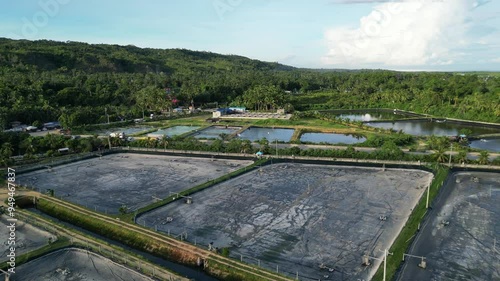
[51,124]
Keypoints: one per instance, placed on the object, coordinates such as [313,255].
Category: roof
[55,123]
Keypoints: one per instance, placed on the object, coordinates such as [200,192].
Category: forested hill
[77,83]
[46,55]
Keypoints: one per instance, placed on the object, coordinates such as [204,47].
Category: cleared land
[461,237]
[298,217]
[134,180]
[28,238]
[74,265]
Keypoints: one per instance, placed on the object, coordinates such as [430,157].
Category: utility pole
[385,263]
[106,112]
[427,201]
[7,275]
[276,148]
[449,162]
[366,261]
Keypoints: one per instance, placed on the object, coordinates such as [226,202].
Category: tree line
[79,83]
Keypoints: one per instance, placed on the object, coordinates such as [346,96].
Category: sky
[407,35]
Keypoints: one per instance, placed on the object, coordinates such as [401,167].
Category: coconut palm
[264,144]
[462,156]
[440,155]
[246,146]
[85,145]
[484,157]
[7,150]
[164,142]
[50,141]
[152,142]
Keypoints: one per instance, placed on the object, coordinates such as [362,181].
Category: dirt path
[57,230]
[103,247]
[258,272]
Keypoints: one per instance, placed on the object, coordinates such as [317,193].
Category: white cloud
[405,33]
[497,60]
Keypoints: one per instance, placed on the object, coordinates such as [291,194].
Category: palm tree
[164,142]
[50,141]
[152,142]
[217,145]
[484,157]
[440,155]
[462,156]
[264,145]
[246,146]
[27,142]
[7,150]
[85,145]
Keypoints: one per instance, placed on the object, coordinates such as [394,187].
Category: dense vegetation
[79,83]
[34,149]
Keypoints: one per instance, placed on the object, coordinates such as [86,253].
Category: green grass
[64,242]
[195,120]
[305,122]
[302,122]
[144,132]
[405,237]
[134,239]
[131,238]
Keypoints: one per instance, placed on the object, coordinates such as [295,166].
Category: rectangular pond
[127,131]
[215,132]
[298,216]
[371,116]
[173,131]
[492,145]
[459,237]
[135,180]
[331,138]
[257,133]
[77,265]
[427,128]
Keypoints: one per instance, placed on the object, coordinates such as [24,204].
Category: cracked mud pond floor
[295,217]
[134,180]
[461,237]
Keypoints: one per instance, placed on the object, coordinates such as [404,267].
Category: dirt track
[187,249]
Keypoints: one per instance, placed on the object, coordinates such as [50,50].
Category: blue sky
[459,35]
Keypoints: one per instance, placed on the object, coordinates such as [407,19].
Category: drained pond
[215,132]
[173,131]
